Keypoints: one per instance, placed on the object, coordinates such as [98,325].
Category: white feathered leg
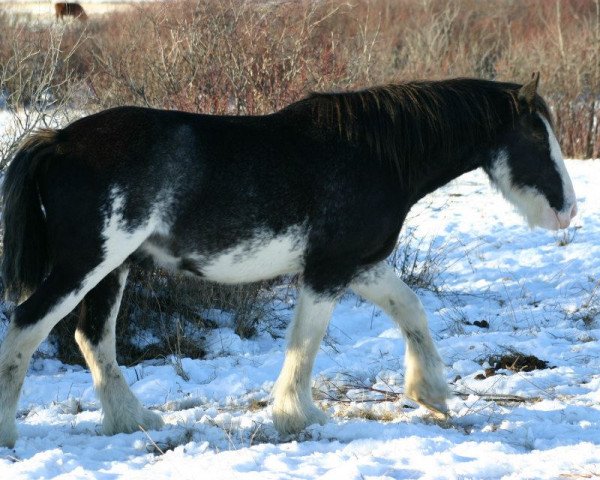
[293,407]
[123,413]
[39,314]
[424,378]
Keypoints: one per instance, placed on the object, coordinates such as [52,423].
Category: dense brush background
[254,57]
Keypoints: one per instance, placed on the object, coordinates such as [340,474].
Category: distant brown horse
[68,9]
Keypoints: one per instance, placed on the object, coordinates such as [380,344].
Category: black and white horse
[321,187]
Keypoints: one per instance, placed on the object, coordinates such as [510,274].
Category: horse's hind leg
[424,379]
[293,407]
[95,336]
[31,323]
[77,270]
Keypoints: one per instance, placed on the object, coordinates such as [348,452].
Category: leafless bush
[419,267]
[589,310]
[249,57]
[219,57]
[167,316]
[38,83]
[562,39]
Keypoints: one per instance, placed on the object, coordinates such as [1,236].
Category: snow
[539,291]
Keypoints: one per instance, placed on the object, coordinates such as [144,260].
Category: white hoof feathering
[426,385]
[292,415]
[8,434]
[130,422]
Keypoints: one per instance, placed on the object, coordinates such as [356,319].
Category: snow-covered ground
[538,291]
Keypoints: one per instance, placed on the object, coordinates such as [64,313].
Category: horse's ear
[528,91]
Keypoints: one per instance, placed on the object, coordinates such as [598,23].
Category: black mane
[412,124]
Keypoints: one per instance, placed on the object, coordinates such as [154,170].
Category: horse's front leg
[424,378]
[293,407]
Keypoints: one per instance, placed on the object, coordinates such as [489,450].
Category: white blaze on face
[569,209]
[529,201]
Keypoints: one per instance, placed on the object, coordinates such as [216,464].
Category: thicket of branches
[248,56]
[254,57]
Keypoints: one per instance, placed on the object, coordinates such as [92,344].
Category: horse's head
[528,168]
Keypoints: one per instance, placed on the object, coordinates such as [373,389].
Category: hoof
[8,435]
[296,418]
[431,395]
[151,420]
[439,410]
[143,419]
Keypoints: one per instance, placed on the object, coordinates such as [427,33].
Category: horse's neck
[439,173]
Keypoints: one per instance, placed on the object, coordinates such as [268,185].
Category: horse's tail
[25,260]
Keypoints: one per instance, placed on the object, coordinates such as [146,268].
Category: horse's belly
[260,258]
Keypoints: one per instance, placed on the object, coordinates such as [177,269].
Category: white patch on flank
[293,407]
[119,242]
[161,256]
[262,257]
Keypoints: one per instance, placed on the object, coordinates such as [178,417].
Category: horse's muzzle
[564,217]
